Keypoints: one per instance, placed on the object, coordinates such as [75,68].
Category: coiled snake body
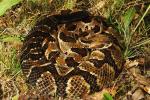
[71,55]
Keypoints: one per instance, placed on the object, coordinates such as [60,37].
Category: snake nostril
[80,30]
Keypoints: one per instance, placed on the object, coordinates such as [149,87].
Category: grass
[8,58]
[130,37]
[133,30]
[127,30]
[11,38]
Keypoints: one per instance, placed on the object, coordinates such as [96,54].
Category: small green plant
[9,62]
[107,96]
[127,30]
[7,4]
[14,62]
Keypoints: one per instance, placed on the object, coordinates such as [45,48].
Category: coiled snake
[70,55]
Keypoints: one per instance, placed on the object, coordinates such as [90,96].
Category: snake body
[70,54]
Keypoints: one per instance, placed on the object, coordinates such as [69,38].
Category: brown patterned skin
[70,55]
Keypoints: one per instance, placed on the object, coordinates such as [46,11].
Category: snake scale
[70,54]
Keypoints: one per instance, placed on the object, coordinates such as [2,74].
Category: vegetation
[130,18]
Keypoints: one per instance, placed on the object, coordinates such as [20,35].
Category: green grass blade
[141,19]
[146,41]
[107,96]
[127,18]
[7,4]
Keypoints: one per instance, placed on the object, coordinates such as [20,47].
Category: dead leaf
[138,95]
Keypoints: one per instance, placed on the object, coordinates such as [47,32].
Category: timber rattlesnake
[70,55]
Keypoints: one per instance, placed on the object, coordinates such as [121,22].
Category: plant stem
[141,19]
